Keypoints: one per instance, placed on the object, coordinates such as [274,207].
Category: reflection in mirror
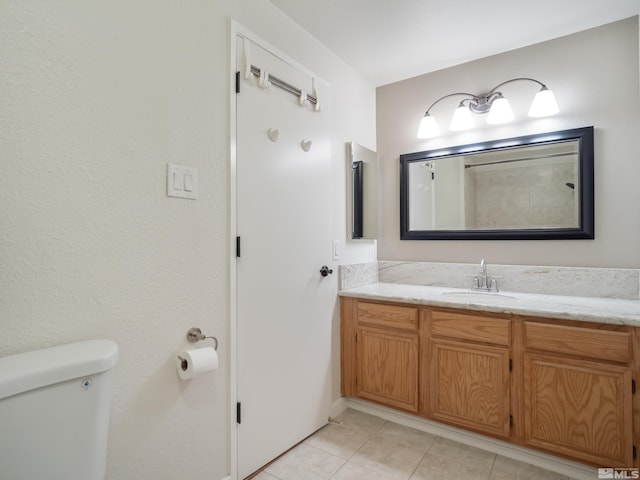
[526,187]
[540,186]
[362,192]
[357,179]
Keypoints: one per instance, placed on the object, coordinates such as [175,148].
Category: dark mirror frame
[586,217]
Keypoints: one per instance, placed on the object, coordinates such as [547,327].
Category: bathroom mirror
[362,192]
[531,187]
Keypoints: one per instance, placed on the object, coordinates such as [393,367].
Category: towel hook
[195,334]
[303,99]
[273,134]
[306,145]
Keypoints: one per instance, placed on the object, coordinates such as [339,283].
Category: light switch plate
[182,182]
[336,249]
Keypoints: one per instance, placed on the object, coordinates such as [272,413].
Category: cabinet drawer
[394,316]
[471,327]
[584,342]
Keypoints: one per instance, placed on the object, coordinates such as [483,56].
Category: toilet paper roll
[192,363]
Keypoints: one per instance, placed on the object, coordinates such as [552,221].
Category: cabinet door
[387,365]
[469,386]
[579,408]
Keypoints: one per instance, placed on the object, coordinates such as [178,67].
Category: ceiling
[391,40]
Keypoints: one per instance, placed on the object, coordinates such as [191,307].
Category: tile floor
[370,448]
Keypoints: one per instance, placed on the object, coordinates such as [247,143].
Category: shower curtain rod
[284,85]
[535,157]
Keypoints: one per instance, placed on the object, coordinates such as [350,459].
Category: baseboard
[227,477]
[337,407]
[573,470]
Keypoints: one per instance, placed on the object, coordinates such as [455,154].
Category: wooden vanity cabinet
[468,382]
[560,386]
[384,349]
[578,392]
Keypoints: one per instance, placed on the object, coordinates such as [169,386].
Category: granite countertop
[588,309]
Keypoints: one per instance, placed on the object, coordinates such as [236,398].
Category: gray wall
[594,75]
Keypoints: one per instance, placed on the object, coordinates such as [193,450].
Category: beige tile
[388,451]
[508,469]
[264,476]
[410,436]
[355,418]
[305,462]
[340,440]
[471,456]
[436,467]
[351,471]
[388,456]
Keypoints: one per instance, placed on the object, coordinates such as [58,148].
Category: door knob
[324,271]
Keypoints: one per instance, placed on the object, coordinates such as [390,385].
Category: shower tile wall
[541,193]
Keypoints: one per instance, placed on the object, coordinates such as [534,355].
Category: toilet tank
[54,411]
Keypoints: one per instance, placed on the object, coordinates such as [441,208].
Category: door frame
[235,30]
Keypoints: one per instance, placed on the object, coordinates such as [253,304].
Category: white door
[283,302]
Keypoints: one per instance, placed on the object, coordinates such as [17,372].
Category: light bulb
[428,127]
[462,119]
[544,104]
[500,112]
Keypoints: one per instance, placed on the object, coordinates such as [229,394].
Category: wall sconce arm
[517,80]
[470,95]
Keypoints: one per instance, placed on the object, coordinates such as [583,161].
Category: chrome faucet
[484,282]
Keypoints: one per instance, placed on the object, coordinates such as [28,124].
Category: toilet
[54,411]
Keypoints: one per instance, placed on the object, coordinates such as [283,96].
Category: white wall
[594,75]
[95,100]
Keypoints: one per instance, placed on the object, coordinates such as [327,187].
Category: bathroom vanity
[554,373]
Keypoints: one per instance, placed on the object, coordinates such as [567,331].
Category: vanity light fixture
[494,103]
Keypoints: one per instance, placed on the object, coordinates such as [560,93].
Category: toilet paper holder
[195,334]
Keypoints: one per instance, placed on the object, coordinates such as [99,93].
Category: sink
[474,296]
